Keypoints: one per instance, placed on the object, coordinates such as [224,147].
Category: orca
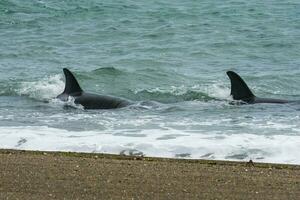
[88,100]
[240,91]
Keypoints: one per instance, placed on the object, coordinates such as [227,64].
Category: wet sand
[60,175]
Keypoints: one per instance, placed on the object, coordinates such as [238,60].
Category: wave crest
[44,89]
[183,93]
[107,71]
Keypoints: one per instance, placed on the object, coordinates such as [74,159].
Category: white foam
[275,149]
[46,88]
[175,90]
[215,90]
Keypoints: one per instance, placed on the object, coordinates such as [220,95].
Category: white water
[209,130]
[45,89]
[160,143]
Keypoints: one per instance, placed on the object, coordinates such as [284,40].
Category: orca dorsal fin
[71,86]
[239,89]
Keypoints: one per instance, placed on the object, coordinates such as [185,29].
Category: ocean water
[170,58]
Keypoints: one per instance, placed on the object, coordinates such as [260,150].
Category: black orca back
[239,89]
[88,100]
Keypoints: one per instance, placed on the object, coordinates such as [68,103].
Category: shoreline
[71,175]
[151,158]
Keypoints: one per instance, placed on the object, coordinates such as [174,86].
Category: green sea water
[171,58]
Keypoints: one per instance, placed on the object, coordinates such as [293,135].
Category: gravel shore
[61,175]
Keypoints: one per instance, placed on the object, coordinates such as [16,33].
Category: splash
[70,103]
[219,91]
[45,89]
[185,93]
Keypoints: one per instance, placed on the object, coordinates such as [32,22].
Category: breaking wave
[183,93]
[43,89]
[275,149]
[49,87]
